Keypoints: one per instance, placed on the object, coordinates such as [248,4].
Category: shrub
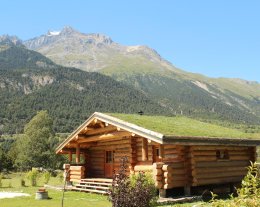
[248,194]
[22,182]
[1,178]
[60,176]
[10,184]
[46,177]
[250,186]
[33,176]
[138,191]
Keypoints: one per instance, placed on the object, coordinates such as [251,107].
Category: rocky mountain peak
[10,40]
[68,30]
[98,38]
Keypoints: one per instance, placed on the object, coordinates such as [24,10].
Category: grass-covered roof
[183,126]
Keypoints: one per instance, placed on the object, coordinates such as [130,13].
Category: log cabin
[179,152]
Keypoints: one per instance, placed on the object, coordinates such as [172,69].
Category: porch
[81,182]
[94,185]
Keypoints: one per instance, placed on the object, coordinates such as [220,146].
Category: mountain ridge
[30,82]
[144,69]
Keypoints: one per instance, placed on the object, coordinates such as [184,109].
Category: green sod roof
[183,126]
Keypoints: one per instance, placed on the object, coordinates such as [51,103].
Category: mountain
[143,68]
[30,82]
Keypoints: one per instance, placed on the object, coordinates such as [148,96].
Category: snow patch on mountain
[53,33]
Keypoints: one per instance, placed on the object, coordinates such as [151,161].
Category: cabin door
[109,164]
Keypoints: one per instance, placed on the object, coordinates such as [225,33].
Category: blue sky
[218,38]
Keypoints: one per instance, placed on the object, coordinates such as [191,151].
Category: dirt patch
[12,194]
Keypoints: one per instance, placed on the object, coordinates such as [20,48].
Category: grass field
[71,199]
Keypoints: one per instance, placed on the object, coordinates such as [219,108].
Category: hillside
[143,68]
[30,82]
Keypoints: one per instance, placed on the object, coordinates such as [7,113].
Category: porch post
[161,152]
[144,149]
[70,156]
[78,153]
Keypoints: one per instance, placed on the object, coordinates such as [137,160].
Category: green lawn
[183,126]
[71,199]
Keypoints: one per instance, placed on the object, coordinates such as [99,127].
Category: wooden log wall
[76,173]
[158,175]
[139,157]
[175,169]
[121,147]
[208,169]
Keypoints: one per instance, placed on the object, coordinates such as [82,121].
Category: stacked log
[174,175]
[173,153]
[143,168]
[139,151]
[158,174]
[76,173]
[207,168]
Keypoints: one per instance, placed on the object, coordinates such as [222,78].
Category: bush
[1,178]
[61,177]
[139,191]
[10,184]
[22,182]
[46,177]
[248,194]
[33,176]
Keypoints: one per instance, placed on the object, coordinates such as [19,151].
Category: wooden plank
[221,174]
[78,153]
[161,151]
[175,179]
[174,185]
[158,184]
[77,167]
[70,156]
[158,165]
[77,173]
[204,158]
[157,171]
[143,168]
[239,157]
[215,147]
[204,181]
[75,177]
[96,131]
[104,136]
[144,149]
[221,164]
[173,172]
[171,160]
[167,167]
[218,169]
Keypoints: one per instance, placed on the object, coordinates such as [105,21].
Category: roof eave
[72,135]
[188,140]
[143,132]
[153,136]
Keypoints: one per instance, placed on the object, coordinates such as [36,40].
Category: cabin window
[222,155]
[109,156]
